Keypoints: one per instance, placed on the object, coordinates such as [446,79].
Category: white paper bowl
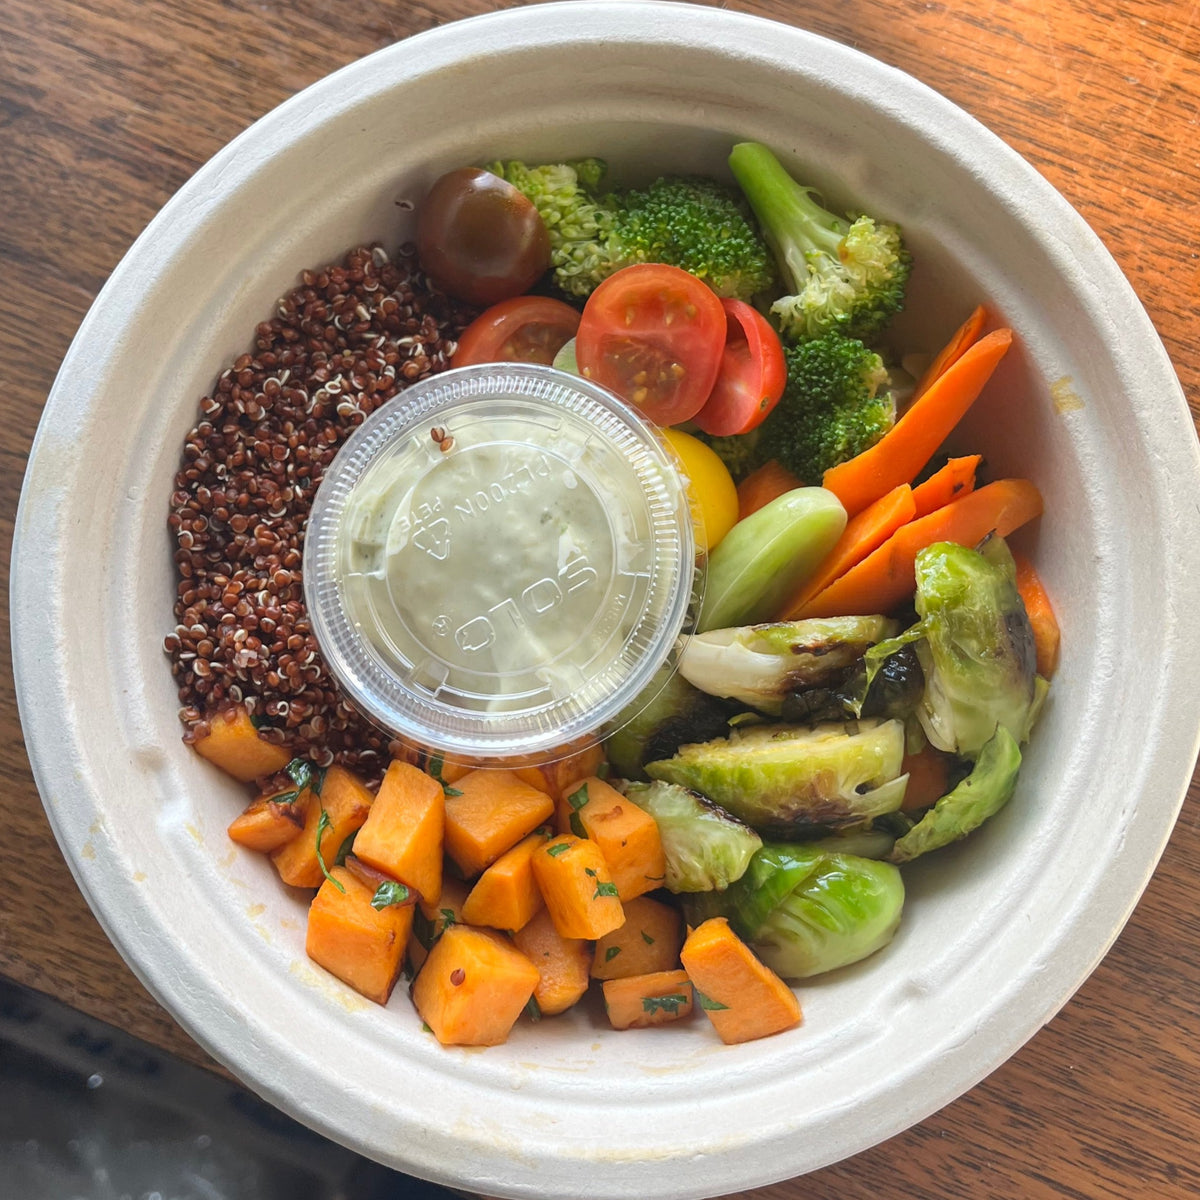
[998,932]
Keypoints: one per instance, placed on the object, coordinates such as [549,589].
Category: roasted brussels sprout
[706,848]
[805,910]
[676,714]
[975,645]
[760,665]
[787,779]
[987,789]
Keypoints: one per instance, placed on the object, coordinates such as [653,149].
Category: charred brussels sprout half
[786,779]
[893,690]
[975,645]
[762,665]
[706,848]
[805,910]
[648,729]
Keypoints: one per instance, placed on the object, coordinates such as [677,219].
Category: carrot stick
[911,442]
[760,487]
[965,336]
[886,578]
[863,534]
[1041,615]
[954,480]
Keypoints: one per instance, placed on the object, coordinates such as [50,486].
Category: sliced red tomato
[654,335]
[531,329]
[752,375]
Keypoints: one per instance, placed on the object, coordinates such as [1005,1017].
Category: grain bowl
[998,933]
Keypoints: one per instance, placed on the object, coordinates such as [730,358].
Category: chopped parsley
[434,767]
[578,800]
[533,1010]
[710,1005]
[647,938]
[604,888]
[322,825]
[300,771]
[344,849]
[672,1003]
[387,894]
[558,848]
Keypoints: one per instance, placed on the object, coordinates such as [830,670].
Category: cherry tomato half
[752,375]
[479,239]
[654,335]
[530,329]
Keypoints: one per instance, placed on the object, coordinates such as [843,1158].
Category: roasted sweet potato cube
[361,944]
[491,813]
[345,802]
[267,823]
[647,943]
[404,830]
[642,1000]
[473,987]
[575,883]
[506,895]
[742,997]
[562,963]
[627,835]
[232,743]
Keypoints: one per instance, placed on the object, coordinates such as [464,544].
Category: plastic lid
[499,560]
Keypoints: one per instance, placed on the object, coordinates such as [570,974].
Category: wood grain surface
[108,106]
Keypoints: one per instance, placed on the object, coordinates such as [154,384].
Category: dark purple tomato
[479,239]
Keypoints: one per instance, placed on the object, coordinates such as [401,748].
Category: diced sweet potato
[491,813]
[403,832]
[361,945]
[232,743]
[473,987]
[578,889]
[647,943]
[743,998]
[266,824]
[627,835]
[641,1000]
[561,962]
[568,764]
[506,895]
[431,921]
[344,801]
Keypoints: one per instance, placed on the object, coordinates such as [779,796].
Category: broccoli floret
[691,223]
[832,407]
[845,275]
[695,224]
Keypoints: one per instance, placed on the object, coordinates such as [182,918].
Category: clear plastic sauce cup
[499,560]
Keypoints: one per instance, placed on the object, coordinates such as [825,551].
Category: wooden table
[106,108]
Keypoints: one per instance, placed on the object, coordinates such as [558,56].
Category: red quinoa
[340,345]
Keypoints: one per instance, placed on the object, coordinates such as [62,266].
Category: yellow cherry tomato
[712,488]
